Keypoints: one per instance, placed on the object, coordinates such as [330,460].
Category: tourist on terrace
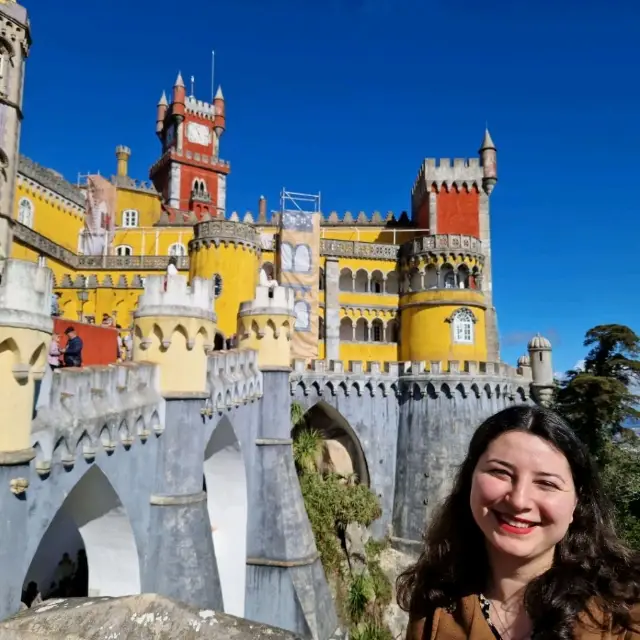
[54,352]
[72,353]
[524,547]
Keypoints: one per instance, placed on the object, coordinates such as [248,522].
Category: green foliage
[596,401]
[331,506]
[333,502]
[359,595]
[621,478]
[371,631]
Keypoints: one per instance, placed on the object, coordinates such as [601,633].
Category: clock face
[198,133]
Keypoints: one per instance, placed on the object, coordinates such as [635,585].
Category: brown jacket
[468,623]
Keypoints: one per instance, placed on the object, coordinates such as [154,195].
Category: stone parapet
[25,296]
[441,242]
[233,378]
[216,232]
[173,296]
[273,301]
[428,378]
[85,409]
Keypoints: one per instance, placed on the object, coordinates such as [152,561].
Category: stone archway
[93,530]
[225,481]
[343,450]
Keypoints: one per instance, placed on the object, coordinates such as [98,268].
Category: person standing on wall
[72,353]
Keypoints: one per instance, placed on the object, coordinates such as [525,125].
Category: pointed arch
[225,482]
[93,529]
[341,440]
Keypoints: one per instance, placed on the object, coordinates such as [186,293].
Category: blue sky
[347,97]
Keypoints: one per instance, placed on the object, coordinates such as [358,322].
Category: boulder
[141,617]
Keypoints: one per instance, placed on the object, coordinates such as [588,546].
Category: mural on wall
[100,219]
[299,269]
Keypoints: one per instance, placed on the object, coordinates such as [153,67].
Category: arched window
[286,256]
[217,285]
[301,311]
[129,218]
[463,321]
[124,250]
[177,250]
[302,259]
[25,212]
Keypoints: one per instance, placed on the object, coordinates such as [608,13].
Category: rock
[356,537]
[393,563]
[141,617]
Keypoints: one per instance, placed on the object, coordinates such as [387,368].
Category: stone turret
[541,369]
[25,332]
[174,326]
[266,325]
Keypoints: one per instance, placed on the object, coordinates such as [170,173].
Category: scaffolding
[292,202]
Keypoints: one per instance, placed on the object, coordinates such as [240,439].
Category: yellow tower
[25,331]
[174,327]
[266,325]
[228,253]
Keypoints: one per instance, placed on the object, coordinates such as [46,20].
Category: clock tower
[190,176]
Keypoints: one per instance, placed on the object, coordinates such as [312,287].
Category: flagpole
[213,60]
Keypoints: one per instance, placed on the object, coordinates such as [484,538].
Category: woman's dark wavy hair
[591,564]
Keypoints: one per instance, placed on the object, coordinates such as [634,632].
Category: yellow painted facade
[426,326]
[377,322]
[238,268]
[179,345]
[270,336]
[23,356]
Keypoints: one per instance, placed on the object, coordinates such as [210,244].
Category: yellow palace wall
[53,217]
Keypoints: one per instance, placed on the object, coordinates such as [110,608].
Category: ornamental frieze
[224,230]
[350,249]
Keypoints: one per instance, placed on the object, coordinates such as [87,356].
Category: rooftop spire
[179,80]
[487,142]
[219,95]
[163,100]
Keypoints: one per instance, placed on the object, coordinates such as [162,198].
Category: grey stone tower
[15,41]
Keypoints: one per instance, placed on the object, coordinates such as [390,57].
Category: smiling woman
[524,546]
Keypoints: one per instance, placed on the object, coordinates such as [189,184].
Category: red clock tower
[190,175]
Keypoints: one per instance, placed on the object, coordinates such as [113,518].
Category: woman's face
[523,496]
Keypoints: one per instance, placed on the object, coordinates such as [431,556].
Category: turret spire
[487,142]
[179,81]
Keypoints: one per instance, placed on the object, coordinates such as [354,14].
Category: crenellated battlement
[233,378]
[459,173]
[200,108]
[82,410]
[271,301]
[333,219]
[432,378]
[25,296]
[173,296]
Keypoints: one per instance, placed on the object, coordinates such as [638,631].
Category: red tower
[190,175]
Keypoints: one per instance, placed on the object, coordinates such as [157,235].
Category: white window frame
[463,322]
[124,250]
[130,218]
[26,220]
[177,250]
